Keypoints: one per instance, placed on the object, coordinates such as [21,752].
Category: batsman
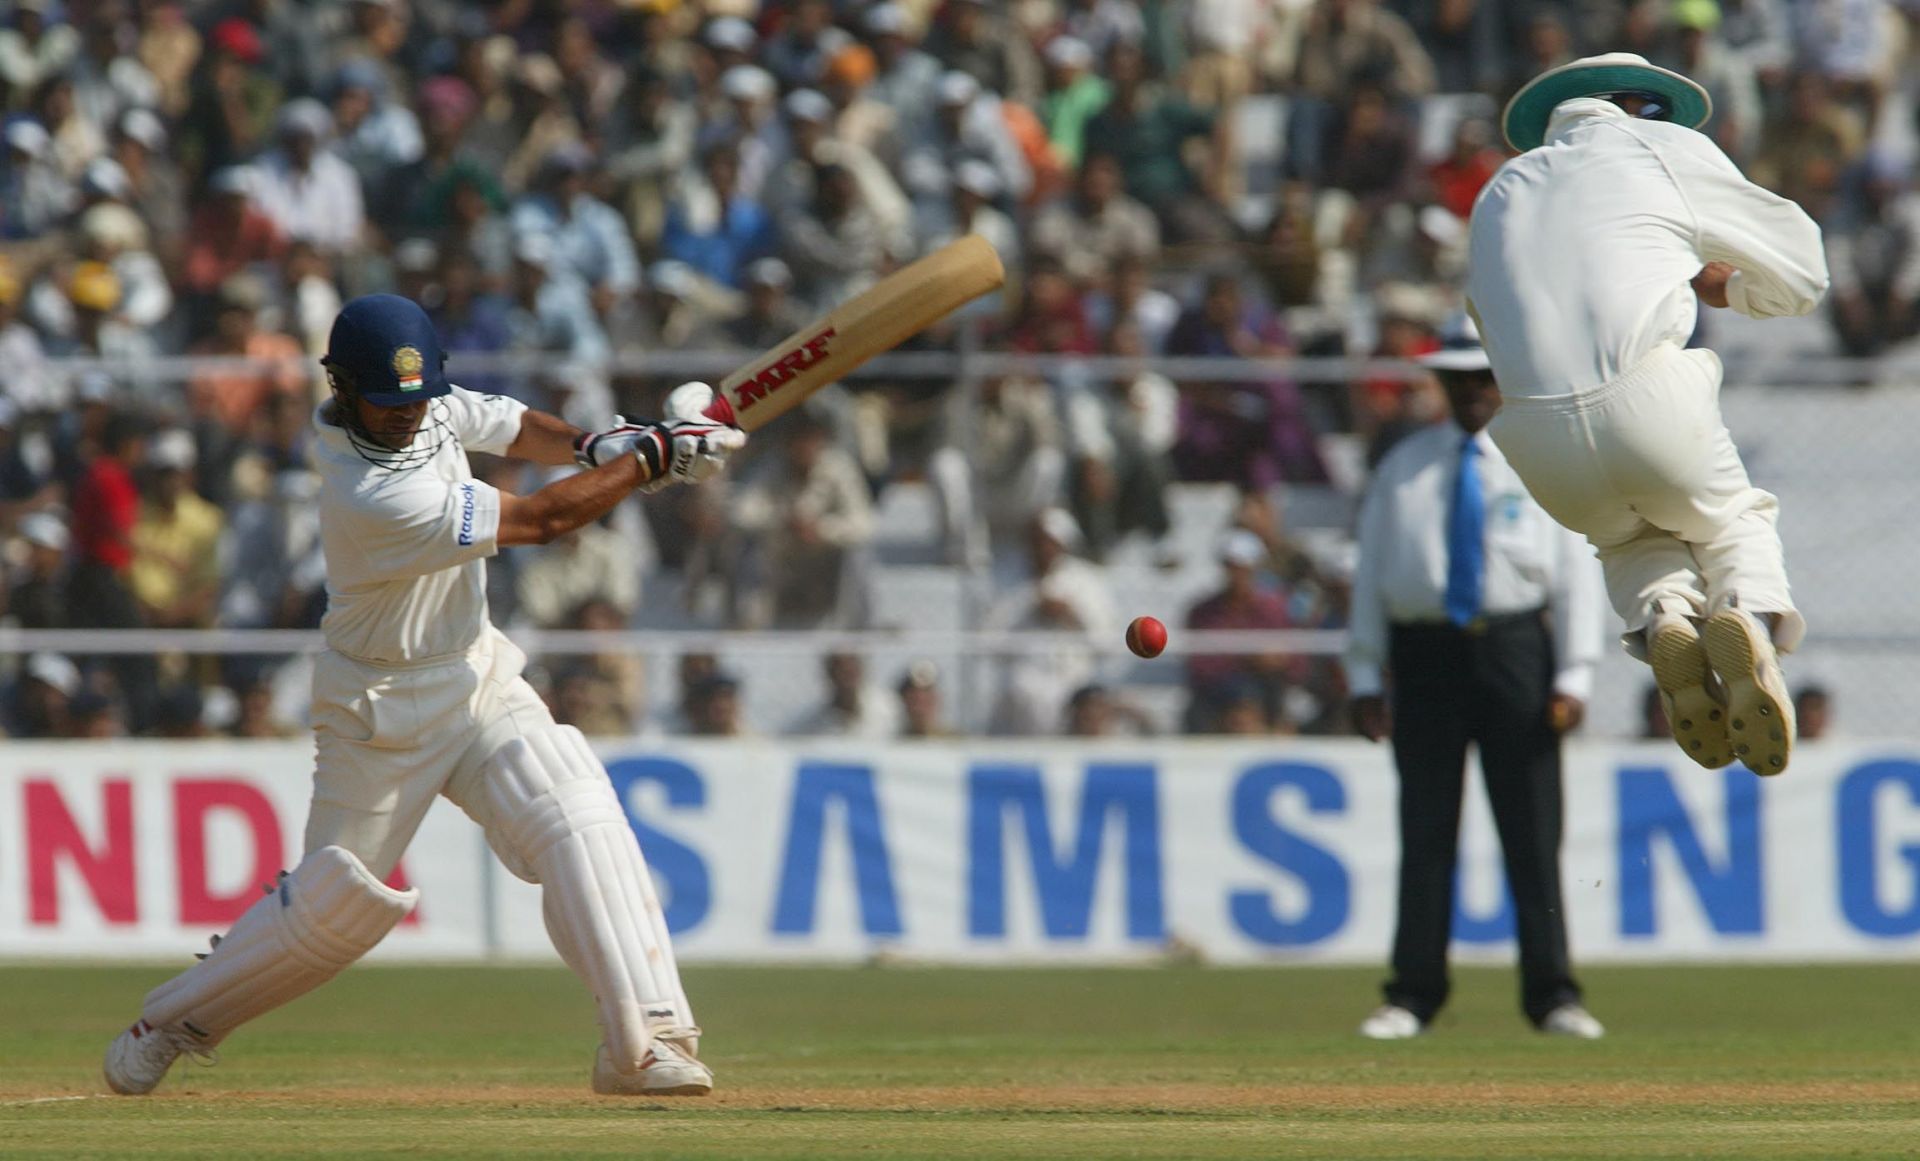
[1588,255]
[417,696]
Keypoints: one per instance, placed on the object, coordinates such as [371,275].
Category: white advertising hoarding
[997,852]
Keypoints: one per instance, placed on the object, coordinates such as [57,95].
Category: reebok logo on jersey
[466,515]
[784,369]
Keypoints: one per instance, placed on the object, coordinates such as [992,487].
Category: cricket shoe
[668,1069]
[1685,678]
[1759,709]
[1391,1022]
[138,1058]
[1574,1021]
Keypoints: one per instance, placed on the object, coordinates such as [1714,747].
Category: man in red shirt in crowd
[1215,681]
[1457,178]
[105,505]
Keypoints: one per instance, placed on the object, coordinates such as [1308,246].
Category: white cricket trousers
[392,738]
[1643,467]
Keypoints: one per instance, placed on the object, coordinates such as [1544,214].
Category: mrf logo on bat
[785,369]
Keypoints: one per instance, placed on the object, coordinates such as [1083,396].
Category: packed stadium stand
[1229,224]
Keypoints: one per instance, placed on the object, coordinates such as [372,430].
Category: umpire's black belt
[1478,627]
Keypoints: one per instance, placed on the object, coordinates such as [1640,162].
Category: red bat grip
[721,411]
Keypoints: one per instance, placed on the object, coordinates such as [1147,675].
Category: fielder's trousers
[1643,467]
[1489,685]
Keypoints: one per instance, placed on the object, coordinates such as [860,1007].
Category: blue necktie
[1466,539]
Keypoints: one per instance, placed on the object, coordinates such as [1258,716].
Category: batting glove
[687,401]
[604,447]
[687,451]
[676,451]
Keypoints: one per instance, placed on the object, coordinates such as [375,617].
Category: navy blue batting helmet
[383,349]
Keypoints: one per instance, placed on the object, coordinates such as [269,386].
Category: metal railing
[969,363]
[575,642]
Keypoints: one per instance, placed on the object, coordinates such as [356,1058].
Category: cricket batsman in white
[1587,256]
[418,695]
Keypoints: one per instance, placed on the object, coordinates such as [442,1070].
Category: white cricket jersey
[405,548]
[1582,251]
[1531,562]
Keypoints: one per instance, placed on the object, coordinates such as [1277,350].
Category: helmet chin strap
[427,438]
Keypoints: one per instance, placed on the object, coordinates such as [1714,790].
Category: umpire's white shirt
[1531,562]
[405,549]
[1582,250]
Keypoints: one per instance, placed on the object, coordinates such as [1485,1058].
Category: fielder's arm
[1780,264]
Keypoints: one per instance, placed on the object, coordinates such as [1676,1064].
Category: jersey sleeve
[418,524]
[484,423]
[1780,266]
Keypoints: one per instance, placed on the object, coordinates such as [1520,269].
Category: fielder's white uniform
[1580,259]
[417,696]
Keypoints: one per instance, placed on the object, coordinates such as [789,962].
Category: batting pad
[326,913]
[554,810]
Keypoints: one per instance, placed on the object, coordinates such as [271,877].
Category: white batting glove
[684,448]
[694,450]
[604,447]
[689,401]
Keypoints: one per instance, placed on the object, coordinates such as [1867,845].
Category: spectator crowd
[191,188]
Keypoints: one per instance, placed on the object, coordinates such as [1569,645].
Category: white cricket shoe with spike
[1760,720]
[1694,711]
[138,1058]
[669,1069]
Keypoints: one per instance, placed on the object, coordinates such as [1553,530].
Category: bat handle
[721,411]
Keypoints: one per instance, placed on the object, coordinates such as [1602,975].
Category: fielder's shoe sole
[1681,670]
[1759,709]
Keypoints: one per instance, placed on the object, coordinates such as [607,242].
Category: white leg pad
[554,811]
[321,917]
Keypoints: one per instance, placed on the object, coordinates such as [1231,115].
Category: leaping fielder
[1587,255]
[418,696]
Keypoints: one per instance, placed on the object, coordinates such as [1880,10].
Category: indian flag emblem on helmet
[410,368]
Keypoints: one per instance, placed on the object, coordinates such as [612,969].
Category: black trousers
[1489,685]
[98,598]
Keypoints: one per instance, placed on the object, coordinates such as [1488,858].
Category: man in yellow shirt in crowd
[175,575]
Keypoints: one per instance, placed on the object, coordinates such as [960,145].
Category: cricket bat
[890,312]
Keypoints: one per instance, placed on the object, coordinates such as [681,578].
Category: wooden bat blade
[878,319]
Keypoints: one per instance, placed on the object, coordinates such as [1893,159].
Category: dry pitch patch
[1166,1098]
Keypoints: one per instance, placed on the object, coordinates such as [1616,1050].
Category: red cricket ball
[1146,637]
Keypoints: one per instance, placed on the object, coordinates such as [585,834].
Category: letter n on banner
[1651,812]
[106,865]
[1065,888]
[817,784]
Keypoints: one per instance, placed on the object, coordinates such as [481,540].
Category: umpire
[1485,618]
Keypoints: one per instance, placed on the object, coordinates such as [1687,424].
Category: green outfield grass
[1803,1062]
